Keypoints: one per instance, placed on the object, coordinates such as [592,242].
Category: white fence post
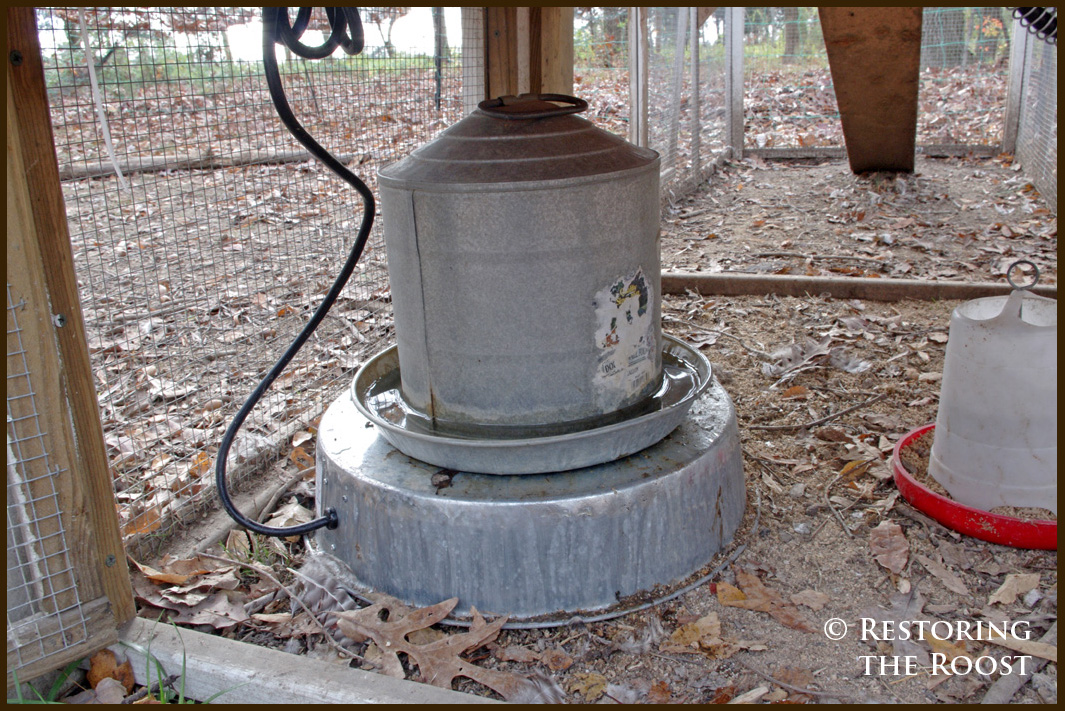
[734,80]
[638,76]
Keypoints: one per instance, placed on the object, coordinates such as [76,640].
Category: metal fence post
[734,80]
[696,147]
[1018,55]
[638,76]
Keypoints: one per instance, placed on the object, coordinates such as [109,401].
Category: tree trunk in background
[791,35]
[440,33]
[612,34]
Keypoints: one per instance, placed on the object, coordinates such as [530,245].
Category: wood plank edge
[740,284]
[245,673]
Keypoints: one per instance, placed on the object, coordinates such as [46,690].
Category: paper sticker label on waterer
[625,335]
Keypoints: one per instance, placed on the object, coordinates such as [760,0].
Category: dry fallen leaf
[105,665]
[514,653]
[688,637]
[590,685]
[950,581]
[905,607]
[756,596]
[439,662]
[889,546]
[300,458]
[811,598]
[111,691]
[556,659]
[659,693]
[948,649]
[1014,585]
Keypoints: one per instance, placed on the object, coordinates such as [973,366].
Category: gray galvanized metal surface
[531,545]
[540,448]
[524,266]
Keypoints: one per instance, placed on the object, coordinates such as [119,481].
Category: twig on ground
[761,354]
[789,687]
[263,571]
[151,690]
[281,492]
[823,420]
[833,509]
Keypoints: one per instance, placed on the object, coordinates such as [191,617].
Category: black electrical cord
[1039,21]
[278,30]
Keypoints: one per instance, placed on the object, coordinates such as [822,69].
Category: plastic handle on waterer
[491,107]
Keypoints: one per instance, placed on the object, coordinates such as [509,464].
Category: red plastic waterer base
[1004,530]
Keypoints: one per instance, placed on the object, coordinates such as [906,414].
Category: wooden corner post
[54,424]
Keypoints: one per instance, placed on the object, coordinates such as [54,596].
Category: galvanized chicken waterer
[556,453]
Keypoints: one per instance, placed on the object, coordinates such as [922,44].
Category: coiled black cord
[1040,21]
[277,29]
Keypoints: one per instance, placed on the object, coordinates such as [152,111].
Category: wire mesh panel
[204,236]
[1037,135]
[710,38]
[44,612]
[964,72]
[601,65]
[789,99]
[686,112]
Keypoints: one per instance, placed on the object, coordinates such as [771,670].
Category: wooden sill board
[251,674]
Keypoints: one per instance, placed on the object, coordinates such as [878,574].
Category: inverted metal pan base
[535,544]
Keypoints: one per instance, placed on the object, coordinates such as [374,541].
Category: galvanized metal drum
[524,265]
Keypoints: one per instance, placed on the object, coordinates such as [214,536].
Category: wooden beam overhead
[528,49]
[703,14]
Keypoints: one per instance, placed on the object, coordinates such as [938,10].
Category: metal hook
[1018,263]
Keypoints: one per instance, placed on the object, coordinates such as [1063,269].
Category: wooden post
[41,278]
[734,81]
[501,51]
[556,50]
[874,54]
[529,49]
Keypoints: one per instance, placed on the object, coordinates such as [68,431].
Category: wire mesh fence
[204,236]
[789,98]
[1037,134]
[44,611]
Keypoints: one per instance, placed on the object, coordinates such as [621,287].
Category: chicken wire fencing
[677,56]
[789,99]
[204,236]
[44,612]
[1037,131]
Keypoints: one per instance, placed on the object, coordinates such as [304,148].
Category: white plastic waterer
[995,440]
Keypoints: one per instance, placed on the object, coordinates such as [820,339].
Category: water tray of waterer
[527,449]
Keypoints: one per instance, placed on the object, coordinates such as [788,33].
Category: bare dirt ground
[825,535]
